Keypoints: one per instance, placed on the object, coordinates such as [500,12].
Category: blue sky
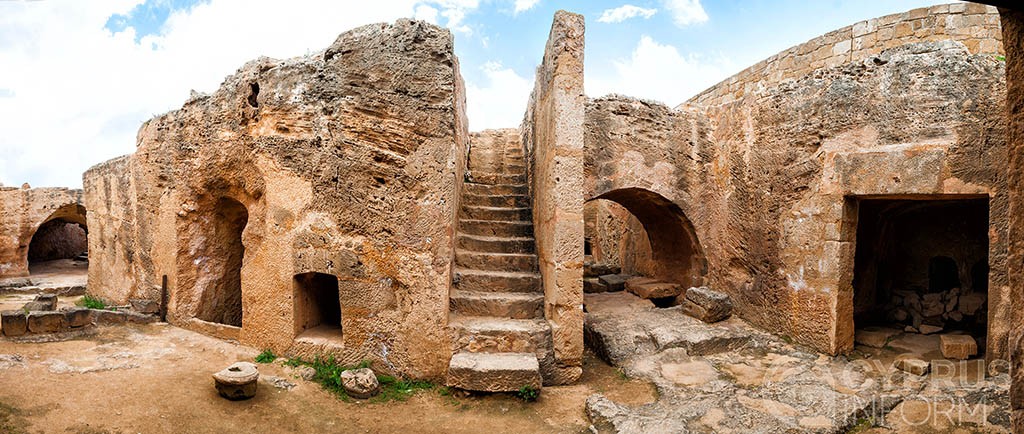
[79,77]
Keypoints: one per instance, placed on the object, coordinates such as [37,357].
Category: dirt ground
[59,273]
[156,379]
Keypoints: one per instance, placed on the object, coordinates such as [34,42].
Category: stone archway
[61,235]
[675,252]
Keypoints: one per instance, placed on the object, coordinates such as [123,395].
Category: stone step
[496,281]
[496,261]
[513,305]
[501,372]
[497,178]
[496,213]
[495,189]
[483,244]
[496,228]
[505,200]
[486,334]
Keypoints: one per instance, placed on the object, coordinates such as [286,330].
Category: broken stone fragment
[37,306]
[647,288]
[971,303]
[360,383]
[306,373]
[615,282]
[958,347]
[912,365]
[593,285]
[46,322]
[707,305]
[13,322]
[926,329]
[237,381]
[49,299]
[932,305]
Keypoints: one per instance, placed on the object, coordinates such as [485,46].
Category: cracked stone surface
[729,377]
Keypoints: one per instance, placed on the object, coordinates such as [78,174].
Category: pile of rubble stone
[923,312]
[699,302]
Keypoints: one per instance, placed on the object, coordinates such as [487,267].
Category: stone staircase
[501,341]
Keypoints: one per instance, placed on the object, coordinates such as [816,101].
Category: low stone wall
[975,25]
[18,323]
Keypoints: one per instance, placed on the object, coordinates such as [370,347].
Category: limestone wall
[345,163]
[770,179]
[22,212]
[553,136]
[975,25]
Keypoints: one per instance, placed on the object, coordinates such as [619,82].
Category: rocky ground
[729,377]
[157,379]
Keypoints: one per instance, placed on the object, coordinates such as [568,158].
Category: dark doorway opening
[922,265]
[57,239]
[317,306]
[222,300]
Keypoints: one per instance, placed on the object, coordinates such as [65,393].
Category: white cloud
[658,72]
[425,13]
[686,12]
[74,94]
[525,5]
[501,102]
[625,12]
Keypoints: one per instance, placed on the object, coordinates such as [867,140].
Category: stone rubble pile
[932,312]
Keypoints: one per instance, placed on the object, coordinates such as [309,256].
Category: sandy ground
[62,272]
[156,379]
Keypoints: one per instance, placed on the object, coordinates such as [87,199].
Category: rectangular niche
[317,306]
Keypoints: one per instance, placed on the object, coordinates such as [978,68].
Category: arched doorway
[667,247]
[60,243]
[221,300]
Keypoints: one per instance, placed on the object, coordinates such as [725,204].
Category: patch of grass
[328,374]
[621,374]
[787,339]
[92,302]
[1000,58]
[863,424]
[266,356]
[528,393]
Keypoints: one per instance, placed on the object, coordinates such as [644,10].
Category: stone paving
[729,377]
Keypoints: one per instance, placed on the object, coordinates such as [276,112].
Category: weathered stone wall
[22,212]
[1013,38]
[769,178]
[975,25]
[553,137]
[347,162]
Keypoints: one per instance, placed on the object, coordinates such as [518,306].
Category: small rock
[49,299]
[910,329]
[956,316]
[615,282]
[37,306]
[932,305]
[647,288]
[900,315]
[926,329]
[13,322]
[107,317]
[958,347]
[237,381]
[306,372]
[360,383]
[278,382]
[707,305]
[913,365]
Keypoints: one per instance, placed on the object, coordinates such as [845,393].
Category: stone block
[707,305]
[912,365]
[591,269]
[49,299]
[593,285]
[13,322]
[139,318]
[237,381]
[78,317]
[107,317]
[37,306]
[648,288]
[958,347]
[926,329]
[494,372]
[615,282]
[46,322]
